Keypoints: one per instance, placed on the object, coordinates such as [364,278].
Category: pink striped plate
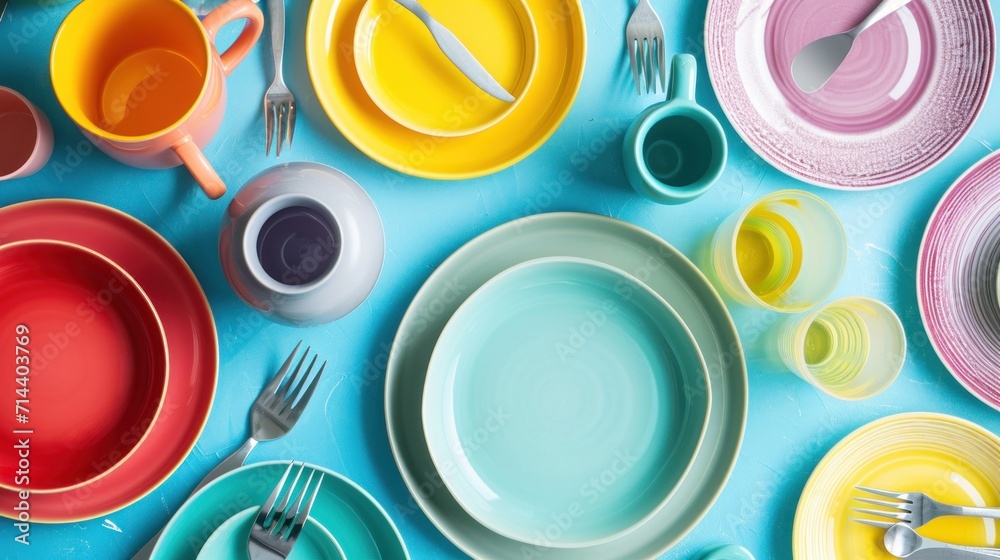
[957,280]
[905,97]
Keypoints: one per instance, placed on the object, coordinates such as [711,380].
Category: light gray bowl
[303,243]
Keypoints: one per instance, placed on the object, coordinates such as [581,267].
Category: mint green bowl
[564,403]
[230,540]
[360,525]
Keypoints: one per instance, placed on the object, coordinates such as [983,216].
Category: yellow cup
[786,252]
[852,348]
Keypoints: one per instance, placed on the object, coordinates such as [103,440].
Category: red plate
[191,342]
[89,361]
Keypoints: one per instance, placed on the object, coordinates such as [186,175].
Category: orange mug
[144,81]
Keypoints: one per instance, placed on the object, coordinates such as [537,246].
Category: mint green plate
[229,541]
[564,403]
[362,528]
[626,247]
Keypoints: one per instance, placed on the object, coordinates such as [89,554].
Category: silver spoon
[816,63]
[903,542]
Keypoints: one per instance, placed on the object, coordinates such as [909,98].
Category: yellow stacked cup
[852,348]
[786,252]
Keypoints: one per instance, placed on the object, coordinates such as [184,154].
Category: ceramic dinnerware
[191,342]
[144,81]
[411,80]
[26,142]
[956,280]
[904,98]
[89,363]
[592,395]
[952,460]
[785,252]
[675,151]
[561,52]
[303,243]
[229,541]
[852,348]
[612,242]
[359,524]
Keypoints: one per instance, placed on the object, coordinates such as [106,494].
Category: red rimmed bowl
[86,361]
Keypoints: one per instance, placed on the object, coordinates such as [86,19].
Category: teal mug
[675,151]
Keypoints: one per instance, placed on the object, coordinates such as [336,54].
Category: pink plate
[907,94]
[957,280]
[191,344]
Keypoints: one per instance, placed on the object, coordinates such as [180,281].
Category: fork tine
[281,514]
[293,512]
[901,516]
[662,63]
[287,399]
[895,496]
[651,65]
[291,123]
[279,395]
[879,524]
[301,405]
[276,380]
[303,516]
[268,125]
[268,508]
[633,47]
[282,126]
[896,505]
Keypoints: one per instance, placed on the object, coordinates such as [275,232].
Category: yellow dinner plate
[561,40]
[947,458]
[408,76]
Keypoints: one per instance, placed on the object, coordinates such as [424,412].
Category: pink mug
[144,81]
[25,136]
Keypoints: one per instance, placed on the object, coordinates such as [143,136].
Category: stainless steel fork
[644,37]
[277,526]
[914,508]
[274,414]
[279,103]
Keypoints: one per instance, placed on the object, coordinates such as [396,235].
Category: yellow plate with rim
[561,40]
[408,76]
[951,460]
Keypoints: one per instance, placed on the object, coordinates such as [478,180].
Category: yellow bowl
[408,76]
[561,52]
[950,459]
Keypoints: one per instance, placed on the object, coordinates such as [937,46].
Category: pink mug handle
[203,172]
[228,13]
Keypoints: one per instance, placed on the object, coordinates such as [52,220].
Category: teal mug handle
[683,78]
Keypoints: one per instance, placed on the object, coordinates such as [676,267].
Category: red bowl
[87,358]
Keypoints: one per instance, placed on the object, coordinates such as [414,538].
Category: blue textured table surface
[790,427]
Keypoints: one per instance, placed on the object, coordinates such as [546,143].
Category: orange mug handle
[198,165]
[228,13]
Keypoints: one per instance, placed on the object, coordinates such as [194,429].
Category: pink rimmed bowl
[957,280]
[904,98]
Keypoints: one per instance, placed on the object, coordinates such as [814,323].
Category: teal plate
[230,540]
[360,525]
[621,245]
[564,403]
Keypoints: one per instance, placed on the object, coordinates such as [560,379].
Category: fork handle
[276,13]
[230,463]
[987,513]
